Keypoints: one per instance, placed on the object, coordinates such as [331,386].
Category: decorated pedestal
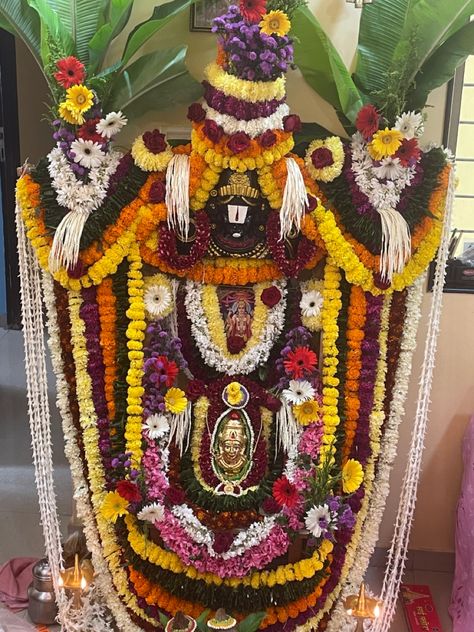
[231,327]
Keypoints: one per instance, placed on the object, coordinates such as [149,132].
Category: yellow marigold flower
[114,506]
[70,115]
[275,22]
[234,394]
[307,412]
[175,400]
[384,143]
[352,476]
[79,98]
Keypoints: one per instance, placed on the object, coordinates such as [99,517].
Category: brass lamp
[75,580]
[361,607]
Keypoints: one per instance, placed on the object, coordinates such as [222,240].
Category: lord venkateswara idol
[227,321]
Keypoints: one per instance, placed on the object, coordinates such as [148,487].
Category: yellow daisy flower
[352,476]
[307,412]
[275,22]
[79,98]
[234,394]
[385,143]
[114,506]
[69,115]
[175,400]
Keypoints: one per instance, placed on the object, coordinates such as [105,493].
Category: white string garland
[406,508]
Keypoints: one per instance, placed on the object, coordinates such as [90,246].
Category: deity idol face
[238,215]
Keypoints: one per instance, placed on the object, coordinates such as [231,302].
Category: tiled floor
[20,530]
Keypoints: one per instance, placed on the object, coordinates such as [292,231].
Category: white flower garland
[212,354]
[74,194]
[256,533]
[255,127]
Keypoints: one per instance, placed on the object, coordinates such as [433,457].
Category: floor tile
[440,585]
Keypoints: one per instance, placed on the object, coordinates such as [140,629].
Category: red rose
[292,123]
[273,403]
[157,192]
[367,121]
[322,157]
[174,496]
[196,113]
[154,141]
[271,296]
[212,130]
[195,389]
[268,138]
[222,541]
[238,142]
[270,505]
[312,203]
[129,491]
[235,344]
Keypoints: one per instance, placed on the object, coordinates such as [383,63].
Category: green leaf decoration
[163,619]
[53,27]
[202,620]
[441,66]
[117,18]
[142,32]
[252,622]
[156,81]
[80,18]
[308,133]
[322,66]
[17,18]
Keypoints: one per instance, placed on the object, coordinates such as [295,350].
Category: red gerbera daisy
[253,10]
[70,72]
[409,152]
[367,121]
[88,131]
[285,493]
[300,361]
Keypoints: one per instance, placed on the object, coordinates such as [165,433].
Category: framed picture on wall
[205,11]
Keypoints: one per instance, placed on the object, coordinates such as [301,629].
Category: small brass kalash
[361,607]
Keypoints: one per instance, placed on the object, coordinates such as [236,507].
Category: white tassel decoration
[396,243]
[295,199]
[181,429]
[287,430]
[67,239]
[177,194]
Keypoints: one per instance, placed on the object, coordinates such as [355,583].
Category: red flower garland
[167,244]
[305,252]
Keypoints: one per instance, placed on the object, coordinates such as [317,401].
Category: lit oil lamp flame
[362,607]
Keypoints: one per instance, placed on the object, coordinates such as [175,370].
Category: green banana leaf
[81,19]
[17,18]
[156,81]
[52,26]
[441,66]
[322,66]
[117,17]
[252,622]
[142,32]
[308,133]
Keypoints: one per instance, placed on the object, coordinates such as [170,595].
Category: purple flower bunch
[121,468]
[252,54]
[239,109]
[163,361]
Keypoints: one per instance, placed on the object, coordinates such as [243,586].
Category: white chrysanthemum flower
[311,303]
[390,169]
[152,513]
[111,124]
[88,153]
[158,300]
[317,520]
[298,391]
[157,426]
[410,124]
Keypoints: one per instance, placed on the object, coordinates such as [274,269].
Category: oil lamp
[361,607]
[74,580]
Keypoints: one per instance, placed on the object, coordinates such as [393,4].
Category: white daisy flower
[88,153]
[390,169]
[298,391]
[157,426]
[317,520]
[158,300]
[410,124]
[152,513]
[311,303]
[111,124]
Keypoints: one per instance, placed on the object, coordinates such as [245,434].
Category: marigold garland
[250,91]
[107,311]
